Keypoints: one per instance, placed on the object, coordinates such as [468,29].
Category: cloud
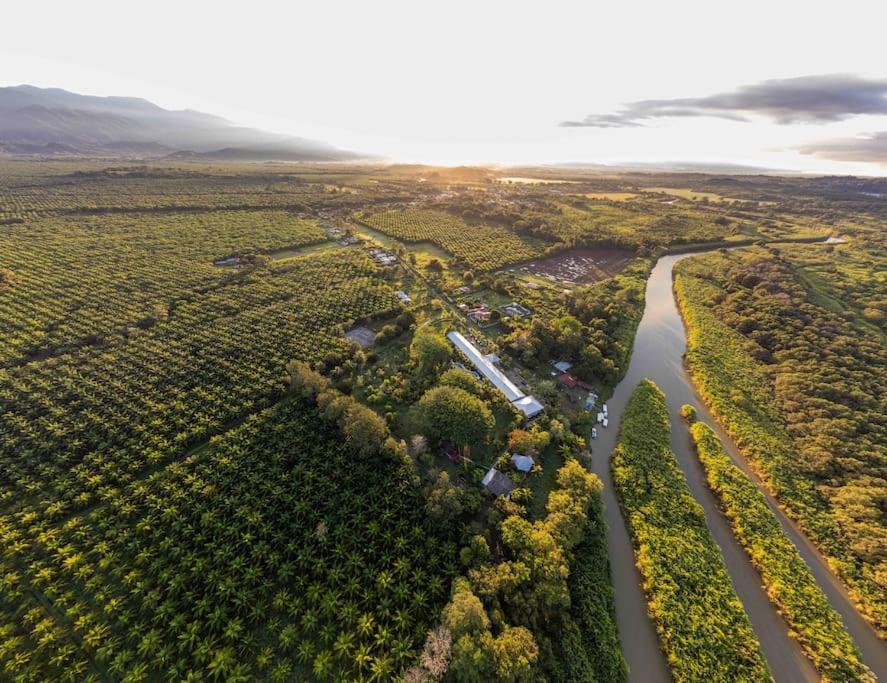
[870,148]
[806,99]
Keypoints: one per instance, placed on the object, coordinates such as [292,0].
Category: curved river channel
[658,354]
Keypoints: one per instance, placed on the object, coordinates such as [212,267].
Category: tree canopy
[452,413]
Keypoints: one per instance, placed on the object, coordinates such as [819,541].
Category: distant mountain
[55,122]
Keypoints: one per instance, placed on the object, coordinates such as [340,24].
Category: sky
[492,82]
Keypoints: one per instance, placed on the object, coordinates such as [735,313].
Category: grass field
[692,195]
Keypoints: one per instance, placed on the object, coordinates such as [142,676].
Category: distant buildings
[382,257]
[515,310]
[568,380]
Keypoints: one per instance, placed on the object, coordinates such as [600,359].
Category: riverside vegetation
[796,384]
[786,576]
[702,625]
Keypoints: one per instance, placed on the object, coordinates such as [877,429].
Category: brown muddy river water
[658,354]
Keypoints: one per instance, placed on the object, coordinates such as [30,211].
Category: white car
[605,409]
[600,417]
[605,422]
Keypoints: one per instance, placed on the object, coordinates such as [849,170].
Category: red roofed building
[568,380]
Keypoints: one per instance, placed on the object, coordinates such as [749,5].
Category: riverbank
[658,352]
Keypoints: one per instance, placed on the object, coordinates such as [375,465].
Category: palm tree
[323,664]
[222,663]
[381,668]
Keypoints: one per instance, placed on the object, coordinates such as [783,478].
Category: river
[658,354]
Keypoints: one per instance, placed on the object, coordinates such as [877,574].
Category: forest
[787,578]
[797,387]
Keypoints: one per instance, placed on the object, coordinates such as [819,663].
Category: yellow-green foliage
[847,278]
[799,391]
[84,421]
[530,592]
[484,247]
[87,276]
[786,576]
[298,554]
[701,622]
[693,195]
[636,223]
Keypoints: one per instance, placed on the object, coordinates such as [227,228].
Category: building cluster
[528,405]
[382,257]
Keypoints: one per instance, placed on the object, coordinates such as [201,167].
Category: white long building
[528,405]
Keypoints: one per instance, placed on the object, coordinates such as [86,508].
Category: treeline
[597,332]
[801,393]
[788,580]
[522,614]
[702,626]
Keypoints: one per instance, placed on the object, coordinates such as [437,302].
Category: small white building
[523,463]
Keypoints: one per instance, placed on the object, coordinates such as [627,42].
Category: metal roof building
[528,405]
[524,463]
[497,483]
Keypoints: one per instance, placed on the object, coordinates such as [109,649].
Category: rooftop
[497,483]
[495,376]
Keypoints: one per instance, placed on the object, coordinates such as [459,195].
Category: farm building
[515,310]
[528,405]
[523,463]
[497,483]
[567,380]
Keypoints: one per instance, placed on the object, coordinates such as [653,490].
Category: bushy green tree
[454,414]
[429,351]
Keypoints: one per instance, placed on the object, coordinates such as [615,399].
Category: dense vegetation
[294,547]
[522,615]
[703,628]
[786,576]
[800,391]
[77,424]
[182,498]
[596,332]
[79,280]
[585,646]
[482,247]
[646,224]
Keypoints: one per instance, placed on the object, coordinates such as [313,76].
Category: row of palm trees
[274,554]
[71,426]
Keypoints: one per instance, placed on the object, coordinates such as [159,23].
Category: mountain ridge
[56,122]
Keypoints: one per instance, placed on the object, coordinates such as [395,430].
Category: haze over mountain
[53,122]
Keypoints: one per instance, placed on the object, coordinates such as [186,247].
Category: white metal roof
[563,366]
[495,376]
[529,406]
[523,462]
